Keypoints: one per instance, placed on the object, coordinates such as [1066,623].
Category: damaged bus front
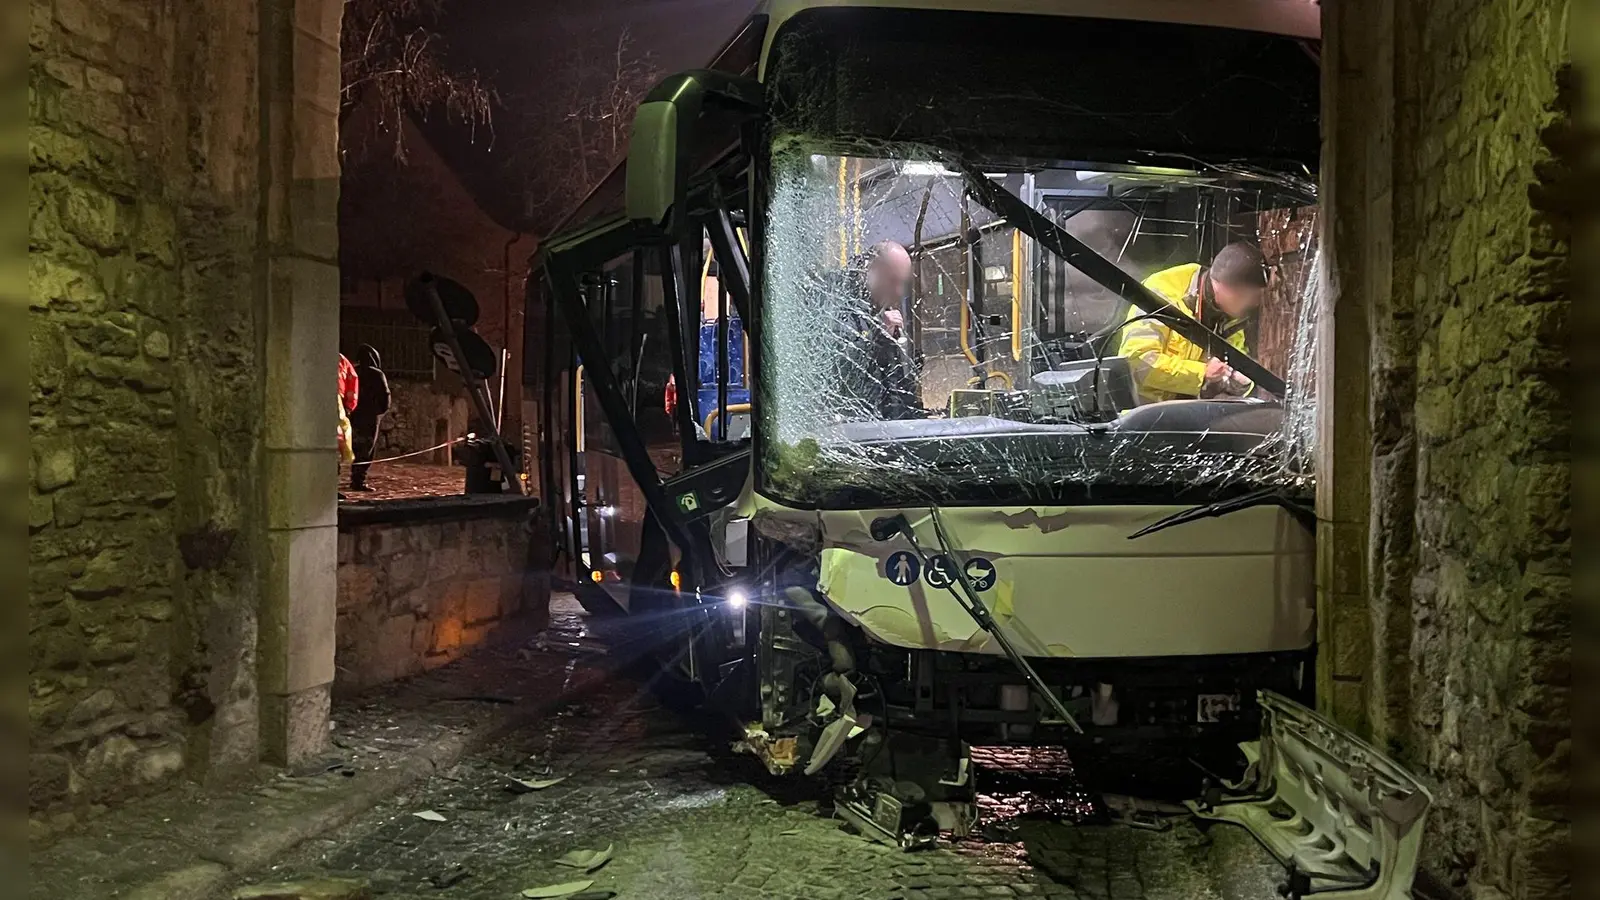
[1002,428]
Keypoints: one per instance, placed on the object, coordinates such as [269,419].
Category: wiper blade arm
[1085,259]
[1268,496]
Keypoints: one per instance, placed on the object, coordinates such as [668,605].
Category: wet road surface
[685,818]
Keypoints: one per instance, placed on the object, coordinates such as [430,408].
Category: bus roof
[1291,18]
[746,51]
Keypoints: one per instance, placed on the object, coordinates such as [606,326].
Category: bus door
[640,342]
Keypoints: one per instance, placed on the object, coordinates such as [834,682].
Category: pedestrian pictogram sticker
[902,568]
[941,571]
[981,573]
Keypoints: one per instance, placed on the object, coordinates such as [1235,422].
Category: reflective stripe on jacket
[1166,365]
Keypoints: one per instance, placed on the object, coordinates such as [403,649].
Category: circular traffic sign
[459,304]
[481,358]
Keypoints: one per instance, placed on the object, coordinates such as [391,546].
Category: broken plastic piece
[558,890]
[587,860]
[524,785]
[430,816]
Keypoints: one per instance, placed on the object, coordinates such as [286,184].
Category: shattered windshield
[951,315]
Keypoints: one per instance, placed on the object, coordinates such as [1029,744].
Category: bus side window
[723,406]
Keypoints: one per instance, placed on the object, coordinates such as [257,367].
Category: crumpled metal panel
[1346,819]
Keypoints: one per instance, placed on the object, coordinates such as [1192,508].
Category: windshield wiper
[1304,514]
[1000,201]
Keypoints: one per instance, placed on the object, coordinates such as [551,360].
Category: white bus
[980,441]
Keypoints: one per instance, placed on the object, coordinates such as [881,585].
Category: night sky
[515,43]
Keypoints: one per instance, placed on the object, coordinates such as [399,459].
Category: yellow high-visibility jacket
[1166,365]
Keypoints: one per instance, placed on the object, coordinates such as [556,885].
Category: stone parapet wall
[422,582]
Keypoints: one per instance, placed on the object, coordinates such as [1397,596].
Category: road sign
[981,573]
[941,571]
[902,567]
[480,356]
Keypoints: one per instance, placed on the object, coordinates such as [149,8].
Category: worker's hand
[894,322]
[1216,370]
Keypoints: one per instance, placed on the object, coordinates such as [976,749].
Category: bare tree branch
[391,57]
[587,105]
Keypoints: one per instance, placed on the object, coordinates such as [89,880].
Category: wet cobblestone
[686,819]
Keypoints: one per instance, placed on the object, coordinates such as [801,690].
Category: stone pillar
[299,273]
[1356,161]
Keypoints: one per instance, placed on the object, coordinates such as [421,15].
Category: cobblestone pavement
[687,819]
[373,735]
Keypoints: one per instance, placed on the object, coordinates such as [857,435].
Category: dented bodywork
[1072,591]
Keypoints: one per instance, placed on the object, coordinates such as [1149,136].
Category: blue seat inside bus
[738,391]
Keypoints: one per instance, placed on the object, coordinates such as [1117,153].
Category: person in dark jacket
[877,373]
[372,402]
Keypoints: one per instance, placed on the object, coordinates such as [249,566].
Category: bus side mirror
[665,137]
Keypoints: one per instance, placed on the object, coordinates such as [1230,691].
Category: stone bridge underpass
[233,680]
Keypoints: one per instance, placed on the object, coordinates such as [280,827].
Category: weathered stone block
[357,586]
[159,763]
[156,233]
[481,600]
[50,779]
[303,488]
[83,18]
[300,610]
[294,727]
[106,573]
[55,463]
[89,214]
[157,345]
[303,317]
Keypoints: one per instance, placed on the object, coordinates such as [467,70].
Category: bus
[1086,521]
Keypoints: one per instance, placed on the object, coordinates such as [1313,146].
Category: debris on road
[430,815]
[449,877]
[317,889]
[558,890]
[527,785]
[587,860]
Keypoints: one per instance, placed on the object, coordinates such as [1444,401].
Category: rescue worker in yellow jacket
[1223,297]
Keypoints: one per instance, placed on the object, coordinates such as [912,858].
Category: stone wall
[421,582]
[183,323]
[1444,174]
[145,390]
[416,411]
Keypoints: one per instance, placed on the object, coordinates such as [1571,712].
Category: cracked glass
[952,309]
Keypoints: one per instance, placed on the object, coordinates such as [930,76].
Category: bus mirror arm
[661,149]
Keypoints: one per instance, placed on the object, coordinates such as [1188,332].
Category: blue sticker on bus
[981,573]
[902,567]
[941,571]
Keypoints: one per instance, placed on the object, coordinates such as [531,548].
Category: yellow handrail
[577,402]
[976,382]
[1016,294]
[733,408]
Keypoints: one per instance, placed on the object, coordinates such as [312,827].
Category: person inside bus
[1225,297]
[876,371]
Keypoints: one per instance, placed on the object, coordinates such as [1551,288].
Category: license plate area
[1210,708]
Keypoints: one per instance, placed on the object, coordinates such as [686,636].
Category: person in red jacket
[349,385]
[349,392]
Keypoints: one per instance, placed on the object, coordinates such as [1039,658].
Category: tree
[585,110]
[392,58]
